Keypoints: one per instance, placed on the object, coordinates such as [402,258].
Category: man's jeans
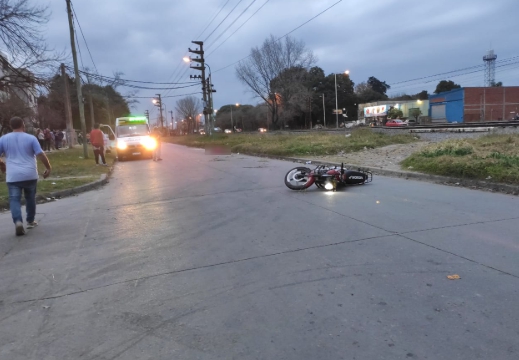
[15,197]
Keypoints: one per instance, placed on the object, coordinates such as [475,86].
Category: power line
[77,43]
[454,71]
[225,18]
[232,23]
[306,22]
[177,73]
[152,97]
[102,77]
[235,31]
[210,22]
[155,88]
[83,35]
[425,83]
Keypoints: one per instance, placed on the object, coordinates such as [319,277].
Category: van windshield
[132,130]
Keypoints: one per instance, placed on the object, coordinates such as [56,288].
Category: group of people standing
[50,139]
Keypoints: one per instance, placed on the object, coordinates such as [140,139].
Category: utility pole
[92,119]
[200,59]
[210,91]
[78,81]
[160,109]
[147,114]
[171,113]
[68,108]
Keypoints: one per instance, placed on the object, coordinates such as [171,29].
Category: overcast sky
[393,40]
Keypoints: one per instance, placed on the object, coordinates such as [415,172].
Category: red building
[475,104]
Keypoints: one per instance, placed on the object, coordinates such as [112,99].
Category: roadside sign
[337,111]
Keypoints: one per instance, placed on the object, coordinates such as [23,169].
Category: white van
[132,137]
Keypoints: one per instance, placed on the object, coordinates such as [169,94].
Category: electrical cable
[210,22]
[177,73]
[290,32]
[225,18]
[453,71]
[235,31]
[163,97]
[422,84]
[102,77]
[83,35]
[232,23]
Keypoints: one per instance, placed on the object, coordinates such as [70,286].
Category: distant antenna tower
[490,68]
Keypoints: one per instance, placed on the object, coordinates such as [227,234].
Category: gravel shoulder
[386,157]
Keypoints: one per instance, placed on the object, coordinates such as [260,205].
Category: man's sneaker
[19,228]
[104,164]
[32,225]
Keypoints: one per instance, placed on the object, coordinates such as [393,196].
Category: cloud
[393,40]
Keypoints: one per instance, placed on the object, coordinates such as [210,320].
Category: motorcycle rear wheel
[299,178]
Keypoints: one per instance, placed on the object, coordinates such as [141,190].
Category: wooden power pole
[68,109]
[92,119]
[78,80]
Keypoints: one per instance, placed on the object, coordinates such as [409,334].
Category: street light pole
[232,123]
[347,72]
[336,104]
[324,113]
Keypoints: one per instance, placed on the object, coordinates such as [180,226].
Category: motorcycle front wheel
[299,178]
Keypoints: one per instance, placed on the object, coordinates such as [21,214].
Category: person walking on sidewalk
[47,139]
[157,136]
[97,140]
[21,151]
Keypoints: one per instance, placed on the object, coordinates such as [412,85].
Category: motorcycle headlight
[121,145]
[149,143]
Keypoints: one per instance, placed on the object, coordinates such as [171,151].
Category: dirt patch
[387,157]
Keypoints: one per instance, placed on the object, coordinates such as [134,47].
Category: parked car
[262,130]
[202,132]
[238,130]
[411,122]
[395,123]
[217,129]
[228,131]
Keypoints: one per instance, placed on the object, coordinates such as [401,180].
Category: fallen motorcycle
[326,177]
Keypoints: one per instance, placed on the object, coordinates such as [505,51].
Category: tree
[9,108]
[395,113]
[446,85]
[269,62]
[189,108]
[415,112]
[378,86]
[108,103]
[21,35]
[422,95]
[365,94]
[497,84]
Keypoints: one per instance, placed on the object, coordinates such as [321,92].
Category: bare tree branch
[188,108]
[268,63]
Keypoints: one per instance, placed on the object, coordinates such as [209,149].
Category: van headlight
[149,143]
[121,145]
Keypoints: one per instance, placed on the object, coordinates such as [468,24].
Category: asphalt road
[212,257]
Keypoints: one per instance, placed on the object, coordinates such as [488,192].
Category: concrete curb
[77,190]
[409,175]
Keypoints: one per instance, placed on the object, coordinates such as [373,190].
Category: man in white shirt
[21,150]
